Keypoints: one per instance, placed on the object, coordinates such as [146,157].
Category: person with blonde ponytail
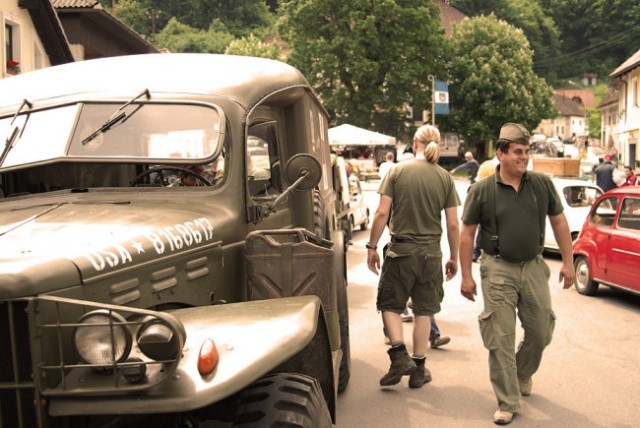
[412,197]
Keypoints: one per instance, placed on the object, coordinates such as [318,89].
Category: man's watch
[370,247]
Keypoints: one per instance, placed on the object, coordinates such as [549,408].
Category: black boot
[401,365]
[420,375]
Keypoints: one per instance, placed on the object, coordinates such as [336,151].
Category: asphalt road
[589,377]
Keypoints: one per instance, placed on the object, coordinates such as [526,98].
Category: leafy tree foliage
[491,81]
[539,28]
[253,46]
[598,35]
[241,18]
[178,37]
[367,60]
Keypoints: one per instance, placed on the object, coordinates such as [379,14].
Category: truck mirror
[305,168]
[303,173]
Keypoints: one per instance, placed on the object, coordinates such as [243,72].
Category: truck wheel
[345,341]
[282,399]
[346,231]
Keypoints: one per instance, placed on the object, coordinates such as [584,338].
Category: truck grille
[17,390]
[38,362]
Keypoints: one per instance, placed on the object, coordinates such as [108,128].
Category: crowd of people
[415,195]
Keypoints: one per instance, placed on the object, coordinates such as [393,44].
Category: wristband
[370,247]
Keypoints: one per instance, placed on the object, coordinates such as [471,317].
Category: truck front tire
[282,399]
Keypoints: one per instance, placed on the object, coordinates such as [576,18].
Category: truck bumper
[252,338]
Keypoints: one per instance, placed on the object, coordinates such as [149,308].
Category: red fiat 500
[607,250]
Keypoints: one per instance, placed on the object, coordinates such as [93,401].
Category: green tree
[240,18]
[539,28]
[178,37]
[491,81]
[368,60]
[253,46]
[138,15]
[598,35]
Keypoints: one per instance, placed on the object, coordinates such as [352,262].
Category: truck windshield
[156,133]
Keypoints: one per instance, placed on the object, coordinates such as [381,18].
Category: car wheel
[365,223]
[282,399]
[583,282]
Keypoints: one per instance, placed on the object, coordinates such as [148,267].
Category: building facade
[627,79]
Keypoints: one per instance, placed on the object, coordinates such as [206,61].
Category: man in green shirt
[510,206]
[412,197]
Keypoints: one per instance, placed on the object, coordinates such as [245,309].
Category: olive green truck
[169,247]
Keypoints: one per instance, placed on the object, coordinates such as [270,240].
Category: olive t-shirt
[419,190]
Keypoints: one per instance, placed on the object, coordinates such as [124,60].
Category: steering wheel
[159,169]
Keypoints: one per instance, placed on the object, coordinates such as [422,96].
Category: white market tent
[349,135]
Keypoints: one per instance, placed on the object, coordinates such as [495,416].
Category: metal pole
[433,99]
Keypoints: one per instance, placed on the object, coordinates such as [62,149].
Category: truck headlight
[102,338]
[157,340]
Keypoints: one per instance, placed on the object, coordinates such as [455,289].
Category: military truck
[169,249]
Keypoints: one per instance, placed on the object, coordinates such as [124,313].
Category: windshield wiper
[13,136]
[117,117]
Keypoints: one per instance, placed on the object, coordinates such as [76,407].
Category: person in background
[412,197]
[631,179]
[471,165]
[215,170]
[604,174]
[386,166]
[515,276]
[185,179]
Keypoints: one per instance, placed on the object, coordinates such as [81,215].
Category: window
[11,46]
[603,214]
[634,92]
[8,42]
[630,214]
[263,160]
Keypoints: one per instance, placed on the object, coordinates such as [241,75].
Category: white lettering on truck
[165,239]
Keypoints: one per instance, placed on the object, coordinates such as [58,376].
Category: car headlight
[102,338]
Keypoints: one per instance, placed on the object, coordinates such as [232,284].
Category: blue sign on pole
[441,97]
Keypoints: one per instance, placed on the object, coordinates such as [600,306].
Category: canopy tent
[349,135]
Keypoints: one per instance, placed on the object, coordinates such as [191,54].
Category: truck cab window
[263,160]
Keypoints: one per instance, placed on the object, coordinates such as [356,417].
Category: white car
[351,205]
[577,196]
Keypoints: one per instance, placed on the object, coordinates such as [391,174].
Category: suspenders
[494,233]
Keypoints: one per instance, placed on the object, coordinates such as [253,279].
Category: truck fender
[251,338]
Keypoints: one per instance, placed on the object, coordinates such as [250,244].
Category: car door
[601,223]
[623,255]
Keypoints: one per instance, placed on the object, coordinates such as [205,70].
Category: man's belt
[401,240]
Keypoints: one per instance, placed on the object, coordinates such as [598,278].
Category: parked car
[577,196]
[350,202]
[607,251]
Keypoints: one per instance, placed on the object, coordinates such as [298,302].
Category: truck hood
[47,247]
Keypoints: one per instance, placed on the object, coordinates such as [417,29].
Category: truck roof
[228,76]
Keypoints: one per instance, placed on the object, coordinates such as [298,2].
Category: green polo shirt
[519,215]
[419,191]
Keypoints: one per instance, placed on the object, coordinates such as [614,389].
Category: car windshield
[580,196]
[155,133]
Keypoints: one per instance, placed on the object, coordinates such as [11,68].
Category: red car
[607,250]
